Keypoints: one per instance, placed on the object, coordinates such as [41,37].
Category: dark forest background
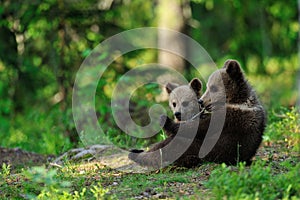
[43,43]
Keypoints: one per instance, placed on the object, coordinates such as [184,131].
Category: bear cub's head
[183,100]
[227,85]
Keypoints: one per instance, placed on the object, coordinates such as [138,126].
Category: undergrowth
[273,175]
[284,126]
[257,182]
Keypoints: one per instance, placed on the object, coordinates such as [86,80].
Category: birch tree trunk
[170,16]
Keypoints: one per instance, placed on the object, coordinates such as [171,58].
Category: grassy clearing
[262,180]
[274,174]
[258,182]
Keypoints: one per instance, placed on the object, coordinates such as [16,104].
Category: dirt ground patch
[17,157]
[117,158]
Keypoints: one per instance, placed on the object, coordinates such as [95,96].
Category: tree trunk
[170,16]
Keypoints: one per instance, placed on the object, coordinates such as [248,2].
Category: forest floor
[89,178]
[16,158]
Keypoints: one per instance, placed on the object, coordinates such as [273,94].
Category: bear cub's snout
[200,101]
[178,115]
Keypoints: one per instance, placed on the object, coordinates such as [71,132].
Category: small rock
[160,196]
[115,183]
[146,194]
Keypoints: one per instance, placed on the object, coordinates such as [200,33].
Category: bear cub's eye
[185,103]
[174,104]
[213,88]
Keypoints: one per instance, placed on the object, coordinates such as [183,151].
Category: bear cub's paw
[165,121]
[134,153]
[136,150]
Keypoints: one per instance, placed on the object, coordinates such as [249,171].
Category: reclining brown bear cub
[228,93]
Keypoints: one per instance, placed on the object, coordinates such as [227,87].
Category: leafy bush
[51,184]
[39,131]
[285,127]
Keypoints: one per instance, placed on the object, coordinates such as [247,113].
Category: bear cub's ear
[233,69]
[196,85]
[170,87]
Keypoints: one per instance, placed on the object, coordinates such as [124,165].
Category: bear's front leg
[169,126]
[147,159]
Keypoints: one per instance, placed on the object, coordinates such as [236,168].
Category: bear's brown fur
[241,134]
[183,100]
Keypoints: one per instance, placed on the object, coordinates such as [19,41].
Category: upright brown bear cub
[241,135]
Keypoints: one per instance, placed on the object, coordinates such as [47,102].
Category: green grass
[210,181]
[274,174]
[257,182]
[41,131]
[91,181]
[284,125]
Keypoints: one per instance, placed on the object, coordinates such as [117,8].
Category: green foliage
[42,183]
[99,192]
[284,126]
[5,170]
[45,183]
[43,133]
[256,182]
[140,182]
[93,181]
[248,28]
[43,44]
[279,70]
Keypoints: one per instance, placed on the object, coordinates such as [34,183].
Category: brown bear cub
[235,138]
[183,100]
